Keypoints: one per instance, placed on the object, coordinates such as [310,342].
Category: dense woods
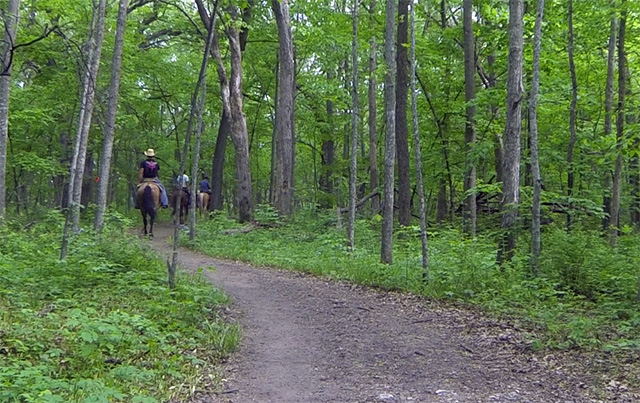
[501,135]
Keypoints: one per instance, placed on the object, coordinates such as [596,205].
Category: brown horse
[203,202]
[148,196]
[176,194]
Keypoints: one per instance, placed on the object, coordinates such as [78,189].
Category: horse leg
[144,221]
[152,219]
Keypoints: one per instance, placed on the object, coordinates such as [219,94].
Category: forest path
[308,339]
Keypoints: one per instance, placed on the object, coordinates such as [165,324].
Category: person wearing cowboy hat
[148,169]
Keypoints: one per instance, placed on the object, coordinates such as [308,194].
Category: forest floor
[308,339]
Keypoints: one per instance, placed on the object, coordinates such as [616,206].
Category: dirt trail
[313,340]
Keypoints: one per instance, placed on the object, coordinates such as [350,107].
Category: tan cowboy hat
[150,153]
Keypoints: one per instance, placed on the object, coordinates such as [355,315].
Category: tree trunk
[217,168]
[8,42]
[373,140]
[84,122]
[284,131]
[617,176]
[533,122]
[196,155]
[402,139]
[390,130]
[572,113]
[608,108]
[416,149]
[239,134]
[511,163]
[470,133]
[112,108]
[353,166]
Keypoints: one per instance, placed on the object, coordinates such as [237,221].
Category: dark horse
[148,195]
[176,194]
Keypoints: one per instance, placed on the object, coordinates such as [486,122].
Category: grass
[102,326]
[584,296]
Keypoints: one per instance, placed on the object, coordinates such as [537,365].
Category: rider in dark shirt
[148,169]
[204,185]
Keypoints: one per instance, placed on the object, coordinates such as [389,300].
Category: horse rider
[183,183]
[148,171]
[204,185]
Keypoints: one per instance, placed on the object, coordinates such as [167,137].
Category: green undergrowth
[583,297]
[102,326]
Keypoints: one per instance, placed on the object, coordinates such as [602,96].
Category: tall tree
[511,162]
[416,148]
[76,170]
[112,109]
[622,81]
[373,138]
[11,18]
[533,122]
[402,139]
[284,128]
[390,133]
[608,111]
[355,112]
[470,133]
[572,111]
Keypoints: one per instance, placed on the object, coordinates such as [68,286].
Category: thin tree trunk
[572,114]
[353,167]
[390,130]
[533,121]
[12,17]
[284,131]
[416,149]
[197,109]
[217,168]
[470,133]
[617,176]
[76,170]
[511,163]
[402,138]
[112,109]
[196,158]
[373,140]
[608,108]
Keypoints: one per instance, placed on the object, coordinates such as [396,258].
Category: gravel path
[312,340]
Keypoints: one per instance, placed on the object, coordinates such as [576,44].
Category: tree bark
[8,42]
[355,111]
[112,109]
[572,112]
[617,176]
[511,162]
[608,113]
[284,130]
[402,138]
[76,170]
[390,130]
[533,122]
[417,151]
[374,182]
[470,133]
[239,134]
[217,165]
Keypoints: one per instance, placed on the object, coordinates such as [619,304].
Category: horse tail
[148,203]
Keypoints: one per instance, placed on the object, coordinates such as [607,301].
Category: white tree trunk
[112,109]
[353,169]
[417,150]
[533,122]
[8,41]
[390,133]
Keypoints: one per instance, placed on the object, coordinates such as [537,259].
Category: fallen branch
[361,202]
